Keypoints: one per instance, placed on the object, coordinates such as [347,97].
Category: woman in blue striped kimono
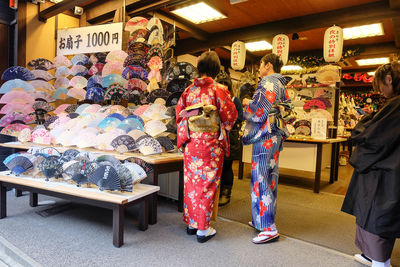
[267,136]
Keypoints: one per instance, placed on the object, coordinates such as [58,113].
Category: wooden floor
[306,179]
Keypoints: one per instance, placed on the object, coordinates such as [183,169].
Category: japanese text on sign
[90,39]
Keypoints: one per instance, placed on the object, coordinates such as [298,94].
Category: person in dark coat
[234,139]
[373,196]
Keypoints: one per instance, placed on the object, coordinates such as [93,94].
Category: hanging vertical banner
[280,47]
[238,55]
[101,38]
[333,44]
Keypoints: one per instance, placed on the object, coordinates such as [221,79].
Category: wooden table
[334,158]
[116,201]
[161,163]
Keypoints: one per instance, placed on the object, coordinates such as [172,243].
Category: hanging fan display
[16,107]
[15,84]
[17,96]
[62,61]
[62,71]
[113,79]
[42,74]
[135,71]
[80,59]
[17,72]
[116,56]
[78,82]
[78,70]
[40,64]
[96,69]
[43,96]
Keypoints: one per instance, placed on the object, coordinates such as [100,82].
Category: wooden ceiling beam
[59,8]
[181,24]
[394,4]
[396,31]
[361,14]
[104,10]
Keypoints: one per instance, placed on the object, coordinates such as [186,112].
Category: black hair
[392,69]
[209,64]
[274,60]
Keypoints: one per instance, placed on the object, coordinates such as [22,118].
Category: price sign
[319,128]
[100,38]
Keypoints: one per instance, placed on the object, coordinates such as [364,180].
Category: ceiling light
[291,68]
[199,13]
[372,61]
[371,73]
[55,1]
[363,31]
[258,46]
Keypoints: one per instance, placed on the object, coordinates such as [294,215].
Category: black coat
[373,196]
[234,137]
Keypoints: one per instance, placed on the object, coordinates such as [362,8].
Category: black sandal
[191,231]
[208,236]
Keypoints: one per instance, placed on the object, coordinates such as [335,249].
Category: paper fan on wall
[80,59]
[114,92]
[62,61]
[78,70]
[116,56]
[323,93]
[40,64]
[314,104]
[43,96]
[96,69]
[37,84]
[61,82]
[321,113]
[17,96]
[42,105]
[62,71]
[137,34]
[112,67]
[61,93]
[135,72]
[158,93]
[99,57]
[178,85]
[78,82]
[156,50]
[136,23]
[15,117]
[19,165]
[17,107]
[113,78]
[155,37]
[61,108]
[155,23]
[17,72]
[325,101]
[95,94]
[106,178]
[42,74]
[124,143]
[14,84]
[182,70]
[328,74]
[136,60]
[136,84]
[13,129]
[77,93]
[95,81]
[173,99]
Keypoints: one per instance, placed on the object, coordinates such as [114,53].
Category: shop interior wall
[41,36]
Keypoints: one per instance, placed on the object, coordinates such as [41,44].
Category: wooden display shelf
[116,201]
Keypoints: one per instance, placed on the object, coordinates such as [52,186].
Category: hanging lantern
[333,44]
[238,55]
[280,47]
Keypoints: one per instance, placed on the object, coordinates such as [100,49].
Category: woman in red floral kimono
[205,114]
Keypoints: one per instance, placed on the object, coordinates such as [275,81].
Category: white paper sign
[319,128]
[280,47]
[100,38]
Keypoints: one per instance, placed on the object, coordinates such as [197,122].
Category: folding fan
[98,58]
[68,155]
[106,178]
[95,94]
[13,129]
[182,70]
[43,96]
[78,82]
[61,82]
[17,72]
[17,96]
[158,93]
[113,78]
[137,34]
[173,99]
[134,71]
[136,84]
[112,160]
[136,60]
[142,164]
[42,105]
[71,108]
[77,93]
[321,113]
[118,109]
[126,178]
[49,121]
[178,85]
[116,56]
[81,108]
[149,146]
[41,136]
[14,84]
[78,70]
[166,143]
[42,84]
[136,23]
[135,134]
[15,117]
[124,143]
[61,93]
[114,92]
[108,123]
[19,165]
[314,104]
[140,110]
[92,108]
[156,112]
[61,108]
[155,50]
[41,64]
[51,167]
[62,71]
[96,69]
[112,67]
[117,116]
[155,37]
[138,47]
[85,170]
[62,61]
[50,151]
[73,115]
[132,123]
[85,138]
[16,107]
[42,74]
[95,81]
[80,59]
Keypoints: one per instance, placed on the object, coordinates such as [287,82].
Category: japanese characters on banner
[238,55]
[280,47]
[333,44]
[319,127]
[90,39]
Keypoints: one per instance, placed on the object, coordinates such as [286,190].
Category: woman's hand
[246,102]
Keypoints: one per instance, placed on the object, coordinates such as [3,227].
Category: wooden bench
[116,201]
